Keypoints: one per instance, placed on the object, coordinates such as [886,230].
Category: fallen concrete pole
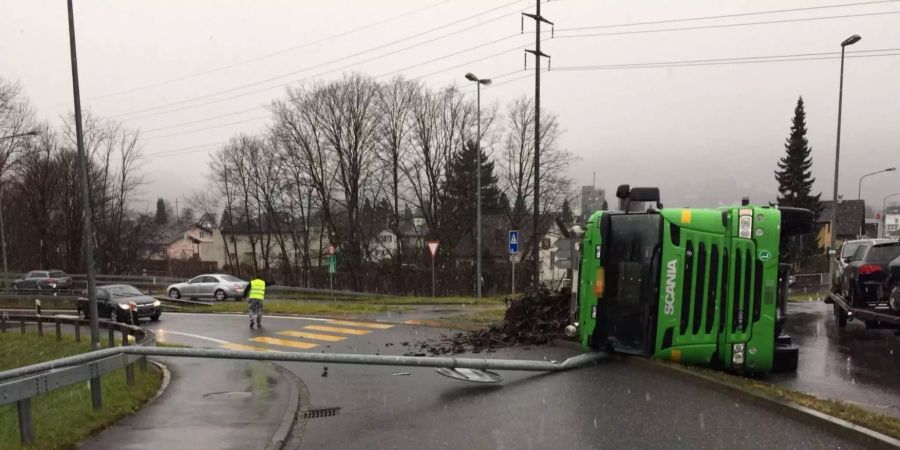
[379,360]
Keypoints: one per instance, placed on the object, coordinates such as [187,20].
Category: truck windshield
[631,265]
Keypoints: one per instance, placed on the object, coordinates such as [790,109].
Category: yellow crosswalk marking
[314,336]
[285,342]
[377,326]
[233,346]
[337,329]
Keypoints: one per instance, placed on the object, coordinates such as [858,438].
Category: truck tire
[785,359]
[840,316]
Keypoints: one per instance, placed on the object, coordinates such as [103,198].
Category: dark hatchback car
[43,279]
[121,303]
[865,279]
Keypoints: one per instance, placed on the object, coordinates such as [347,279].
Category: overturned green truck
[689,285]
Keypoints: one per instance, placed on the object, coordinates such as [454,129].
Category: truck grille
[746,287]
[722,290]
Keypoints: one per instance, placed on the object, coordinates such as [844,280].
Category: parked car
[845,253]
[121,303]
[894,285]
[43,279]
[865,278]
[218,286]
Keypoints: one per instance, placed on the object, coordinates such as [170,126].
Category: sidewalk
[209,403]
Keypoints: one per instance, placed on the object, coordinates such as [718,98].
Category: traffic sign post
[433,248]
[513,253]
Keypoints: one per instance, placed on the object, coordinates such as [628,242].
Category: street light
[883,215]
[859,192]
[837,147]
[478,82]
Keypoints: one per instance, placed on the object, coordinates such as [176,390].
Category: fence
[28,382]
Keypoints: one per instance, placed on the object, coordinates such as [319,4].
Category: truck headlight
[571,330]
[737,355]
[123,306]
[157,303]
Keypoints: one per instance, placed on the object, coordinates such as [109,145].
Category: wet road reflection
[855,364]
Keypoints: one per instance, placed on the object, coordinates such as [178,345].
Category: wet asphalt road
[854,364]
[611,405]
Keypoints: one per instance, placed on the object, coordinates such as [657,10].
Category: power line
[252,119]
[482,45]
[276,53]
[729,25]
[798,57]
[288,74]
[439,58]
[181,124]
[736,60]
[244,94]
[177,150]
[724,16]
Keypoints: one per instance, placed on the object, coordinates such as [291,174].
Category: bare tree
[396,100]
[441,123]
[517,163]
[17,123]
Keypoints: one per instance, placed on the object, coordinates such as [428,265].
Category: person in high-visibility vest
[255,293]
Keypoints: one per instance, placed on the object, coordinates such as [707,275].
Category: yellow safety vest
[257,289]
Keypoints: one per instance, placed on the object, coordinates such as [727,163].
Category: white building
[892,221]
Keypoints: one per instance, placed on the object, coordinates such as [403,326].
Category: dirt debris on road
[535,319]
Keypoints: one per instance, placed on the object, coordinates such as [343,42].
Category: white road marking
[243,316]
[161,333]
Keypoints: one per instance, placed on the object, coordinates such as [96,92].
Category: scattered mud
[534,320]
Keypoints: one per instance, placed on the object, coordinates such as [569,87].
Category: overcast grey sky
[703,133]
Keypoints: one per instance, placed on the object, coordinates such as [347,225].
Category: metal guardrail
[27,382]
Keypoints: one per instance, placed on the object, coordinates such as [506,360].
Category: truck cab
[690,285]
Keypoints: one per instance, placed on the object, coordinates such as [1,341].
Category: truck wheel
[840,316]
[785,359]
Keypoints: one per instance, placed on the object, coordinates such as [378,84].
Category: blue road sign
[513,242]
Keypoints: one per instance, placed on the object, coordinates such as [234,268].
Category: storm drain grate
[319,413]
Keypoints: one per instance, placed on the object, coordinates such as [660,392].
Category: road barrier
[21,384]
[30,381]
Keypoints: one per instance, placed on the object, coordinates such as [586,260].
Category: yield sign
[432,247]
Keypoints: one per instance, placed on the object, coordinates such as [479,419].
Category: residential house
[851,221]
[385,244]
[236,242]
[892,221]
[180,240]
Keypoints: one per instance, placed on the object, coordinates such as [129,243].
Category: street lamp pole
[478,83]
[87,244]
[837,148]
[859,192]
[883,215]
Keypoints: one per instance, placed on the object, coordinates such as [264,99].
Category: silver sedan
[218,286]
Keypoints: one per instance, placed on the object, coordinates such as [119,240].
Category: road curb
[839,427]
[167,377]
[292,424]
